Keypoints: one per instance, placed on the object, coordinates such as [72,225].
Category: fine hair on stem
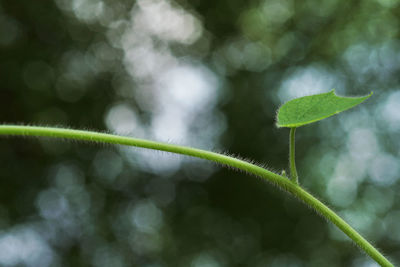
[280,181]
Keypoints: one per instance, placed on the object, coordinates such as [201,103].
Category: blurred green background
[209,74]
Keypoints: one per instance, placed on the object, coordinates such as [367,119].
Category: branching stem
[293,172]
[278,180]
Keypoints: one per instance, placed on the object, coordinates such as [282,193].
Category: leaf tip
[368,96]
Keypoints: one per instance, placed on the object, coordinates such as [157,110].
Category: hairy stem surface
[278,180]
[293,171]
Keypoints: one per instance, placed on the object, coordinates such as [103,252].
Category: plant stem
[293,171]
[274,178]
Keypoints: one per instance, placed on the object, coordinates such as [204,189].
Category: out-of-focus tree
[209,74]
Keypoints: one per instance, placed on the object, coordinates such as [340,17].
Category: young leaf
[308,109]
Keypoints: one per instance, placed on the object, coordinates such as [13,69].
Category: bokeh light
[209,75]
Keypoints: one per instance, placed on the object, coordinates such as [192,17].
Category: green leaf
[308,109]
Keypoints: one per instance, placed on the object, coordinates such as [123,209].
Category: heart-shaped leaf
[308,109]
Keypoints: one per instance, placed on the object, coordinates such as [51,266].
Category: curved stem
[276,179]
[293,171]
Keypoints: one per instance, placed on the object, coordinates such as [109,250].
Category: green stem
[293,171]
[274,178]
